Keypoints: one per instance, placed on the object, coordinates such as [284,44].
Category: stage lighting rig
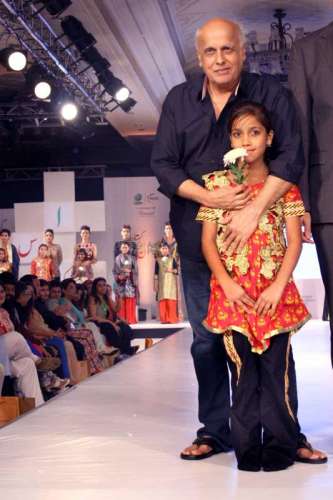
[77,34]
[114,86]
[53,7]
[13,58]
[38,82]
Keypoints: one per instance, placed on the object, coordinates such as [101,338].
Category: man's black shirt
[191,142]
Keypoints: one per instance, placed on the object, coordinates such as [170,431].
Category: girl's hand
[237,296]
[268,300]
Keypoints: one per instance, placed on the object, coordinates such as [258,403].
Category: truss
[19,19]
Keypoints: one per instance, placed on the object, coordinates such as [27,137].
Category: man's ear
[199,59]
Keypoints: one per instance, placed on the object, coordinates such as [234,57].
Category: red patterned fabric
[254,270]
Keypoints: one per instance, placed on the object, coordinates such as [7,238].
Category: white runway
[118,435]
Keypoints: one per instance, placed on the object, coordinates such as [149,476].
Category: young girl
[42,265]
[254,303]
[125,271]
[82,268]
[165,285]
[5,265]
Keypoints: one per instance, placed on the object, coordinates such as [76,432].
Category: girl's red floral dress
[254,269]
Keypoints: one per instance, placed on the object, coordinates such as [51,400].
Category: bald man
[191,140]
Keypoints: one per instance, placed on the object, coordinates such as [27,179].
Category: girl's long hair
[94,291]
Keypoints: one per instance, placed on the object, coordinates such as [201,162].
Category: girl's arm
[269,299]
[234,292]
[33,267]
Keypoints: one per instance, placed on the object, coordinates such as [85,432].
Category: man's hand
[237,296]
[268,300]
[228,197]
[242,224]
[306,228]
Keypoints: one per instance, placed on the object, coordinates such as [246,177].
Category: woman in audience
[42,343]
[22,360]
[42,265]
[102,310]
[64,306]
[54,252]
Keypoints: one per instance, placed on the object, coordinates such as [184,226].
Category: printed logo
[58,216]
[138,199]
[25,254]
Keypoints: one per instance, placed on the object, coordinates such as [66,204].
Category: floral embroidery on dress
[254,268]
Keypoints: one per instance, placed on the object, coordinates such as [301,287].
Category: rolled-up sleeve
[287,158]
[166,154]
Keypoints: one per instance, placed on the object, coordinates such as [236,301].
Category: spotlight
[114,86]
[95,60]
[69,111]
[77,34]
[128,104]
[42,90]
[53,7]
[122,94]
[13,59]
[38,82]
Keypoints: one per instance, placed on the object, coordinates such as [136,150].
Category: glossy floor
[118,435]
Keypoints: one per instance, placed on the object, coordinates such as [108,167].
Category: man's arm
[298,84]
[166,165]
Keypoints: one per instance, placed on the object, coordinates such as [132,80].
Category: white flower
[232,156]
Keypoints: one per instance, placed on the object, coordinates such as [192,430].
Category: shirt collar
[204,90]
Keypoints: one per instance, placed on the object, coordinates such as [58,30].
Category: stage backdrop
[137,202]
[133,201]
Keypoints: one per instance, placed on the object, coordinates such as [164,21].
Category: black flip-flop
[304,443]
[199,441]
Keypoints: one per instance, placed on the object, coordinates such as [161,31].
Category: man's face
[10,290]
[44,292]
[221,54]
[48,237]
[55,292]
[125,233]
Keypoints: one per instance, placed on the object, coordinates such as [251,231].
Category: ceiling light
[38,82]
[42,90]
[128,104]
[69,111]
[77,34]
[122,94]
[53,7]
[13,59]
[114,86]
[95,60]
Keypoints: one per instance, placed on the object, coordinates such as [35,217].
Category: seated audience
[102,311]
[22,361]
[63,305]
